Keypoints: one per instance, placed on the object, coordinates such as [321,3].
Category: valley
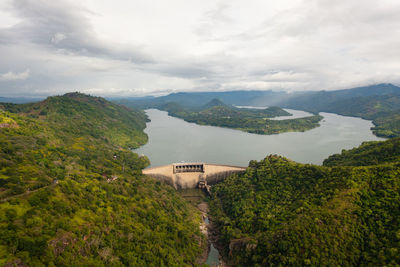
[199,133]
[68,172]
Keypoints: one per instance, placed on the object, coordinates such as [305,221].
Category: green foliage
[281,213]
[369,153]
[81,116]
[131,221]
[256,121]
[387,124]
[77,129]
[73,194]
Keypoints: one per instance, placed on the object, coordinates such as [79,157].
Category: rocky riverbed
[212,256]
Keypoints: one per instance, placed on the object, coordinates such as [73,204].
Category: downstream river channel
[174,140]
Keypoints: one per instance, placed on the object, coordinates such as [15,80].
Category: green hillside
[72,193]
[282,213]
[81,115]
[258,121]
[369,153]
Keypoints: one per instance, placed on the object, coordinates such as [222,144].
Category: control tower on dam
[193,174]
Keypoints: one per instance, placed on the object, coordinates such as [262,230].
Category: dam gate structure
[192,175]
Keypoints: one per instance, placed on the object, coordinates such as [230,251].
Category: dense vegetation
[257,121]
[79,115]
[369,153]
[282,213]
[387,124]
[47,137]
[72,193]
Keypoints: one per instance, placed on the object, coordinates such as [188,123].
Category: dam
[192,174]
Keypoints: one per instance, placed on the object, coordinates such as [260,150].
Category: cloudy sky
[132,48]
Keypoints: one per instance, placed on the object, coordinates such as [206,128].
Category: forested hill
[72,193]
[81,115]
[369,153]
[282,213]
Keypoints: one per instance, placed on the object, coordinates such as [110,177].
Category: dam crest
[192,174]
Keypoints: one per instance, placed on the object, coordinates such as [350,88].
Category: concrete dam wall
[192,175]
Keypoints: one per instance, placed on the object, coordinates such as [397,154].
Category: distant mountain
[198,99]
[378,89]
[310,101]
[19,100]
[172,107]
[213,103]
[334,101]
[379,103]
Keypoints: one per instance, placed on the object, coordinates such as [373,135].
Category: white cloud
[58,37]
[158,46]
[15,76]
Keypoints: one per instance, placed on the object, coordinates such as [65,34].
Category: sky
[155,47]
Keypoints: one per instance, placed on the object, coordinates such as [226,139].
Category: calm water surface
[174,140]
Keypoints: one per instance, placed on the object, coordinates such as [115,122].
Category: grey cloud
[312,45]
[64,28]
[14,76]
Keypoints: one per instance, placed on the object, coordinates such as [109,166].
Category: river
[174,140]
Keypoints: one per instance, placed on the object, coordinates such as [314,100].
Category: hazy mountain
[198,99]
[331,101]
[311,100]
[19,100]
[213,103]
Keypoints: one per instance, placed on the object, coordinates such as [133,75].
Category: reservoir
[174,140]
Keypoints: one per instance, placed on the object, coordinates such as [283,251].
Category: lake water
[174,140]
